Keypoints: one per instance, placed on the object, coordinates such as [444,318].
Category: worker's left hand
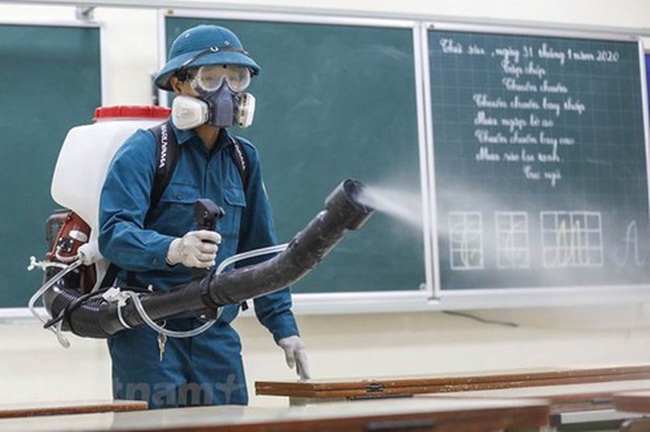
[295,351]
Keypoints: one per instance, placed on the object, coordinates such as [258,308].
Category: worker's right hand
[195,249]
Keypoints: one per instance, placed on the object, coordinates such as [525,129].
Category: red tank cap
[131,111]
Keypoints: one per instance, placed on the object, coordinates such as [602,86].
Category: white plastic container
[83,161]
[87,152]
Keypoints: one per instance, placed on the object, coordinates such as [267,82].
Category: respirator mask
[221,101]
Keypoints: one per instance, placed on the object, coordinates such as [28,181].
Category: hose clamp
[212,310]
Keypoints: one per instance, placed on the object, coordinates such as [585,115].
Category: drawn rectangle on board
[571,239]
[466,240]
[513,249]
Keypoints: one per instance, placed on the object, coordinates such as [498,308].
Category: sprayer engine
[71,233]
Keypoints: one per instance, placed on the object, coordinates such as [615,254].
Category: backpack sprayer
[74,265]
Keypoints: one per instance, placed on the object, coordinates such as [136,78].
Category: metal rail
[86,5]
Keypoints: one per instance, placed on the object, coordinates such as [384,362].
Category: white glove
[295,351]
[195,249]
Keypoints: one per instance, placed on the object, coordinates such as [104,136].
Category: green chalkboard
[540,161]
[335,101]
[51,82]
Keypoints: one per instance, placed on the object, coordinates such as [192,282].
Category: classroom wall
[33,367]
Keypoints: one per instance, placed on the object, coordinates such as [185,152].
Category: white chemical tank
[84,158]
[87,152]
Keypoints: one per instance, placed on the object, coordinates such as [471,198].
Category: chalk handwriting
[512,240]
[571,239]
[548,52]
[522,139]
[509,54]
[524,104]
[514,123]
[475,50]
[511,69]
[484,136]
[549,105]
[512,84]
[484,154]
[482,119]
[553,88]
[465,240]
[534,69]
[451,47]
[571,105]
[531,102]
[483,101]
[630,248]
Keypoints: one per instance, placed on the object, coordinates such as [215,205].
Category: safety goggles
[209,78]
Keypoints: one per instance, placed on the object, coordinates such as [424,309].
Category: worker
[157,244]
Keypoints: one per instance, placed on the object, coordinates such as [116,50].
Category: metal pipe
[99,319]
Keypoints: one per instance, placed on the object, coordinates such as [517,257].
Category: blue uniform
[206,369]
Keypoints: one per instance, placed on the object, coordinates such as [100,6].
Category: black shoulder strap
[239,158]
[167,154]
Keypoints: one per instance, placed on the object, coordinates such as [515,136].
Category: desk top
[446,414]
[69,407]
[452,382]
[563,398]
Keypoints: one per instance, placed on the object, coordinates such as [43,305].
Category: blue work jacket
[135,246]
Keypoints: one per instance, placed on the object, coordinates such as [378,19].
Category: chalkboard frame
[527,297]
[344,302]
[17,313]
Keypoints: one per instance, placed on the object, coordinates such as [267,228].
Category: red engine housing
[72,233]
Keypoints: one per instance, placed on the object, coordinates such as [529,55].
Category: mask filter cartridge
[189,112]
[246,110]
[219,109]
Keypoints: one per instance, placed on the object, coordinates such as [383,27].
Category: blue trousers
[202,370]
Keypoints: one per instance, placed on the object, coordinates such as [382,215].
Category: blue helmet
[204,45]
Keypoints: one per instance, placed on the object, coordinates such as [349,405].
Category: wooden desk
[577,395]
[586,404]
[564,398]
[633,401]
[445,415]
[356,388]
[69,407]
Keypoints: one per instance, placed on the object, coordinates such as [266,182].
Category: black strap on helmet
[182,72]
